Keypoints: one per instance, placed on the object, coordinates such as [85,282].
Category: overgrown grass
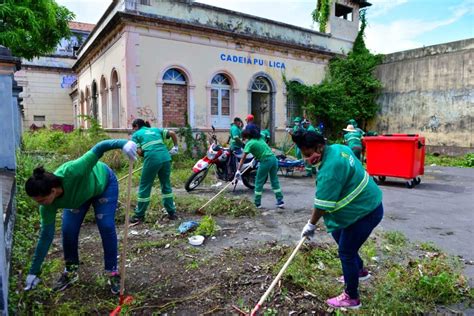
[466,161]
[412,282]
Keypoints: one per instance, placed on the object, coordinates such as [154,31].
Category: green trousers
[268,167]
[151,169]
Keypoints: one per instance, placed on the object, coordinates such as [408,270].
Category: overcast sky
[394,25]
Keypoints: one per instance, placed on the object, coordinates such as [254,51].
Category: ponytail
[139,123]
[41,183]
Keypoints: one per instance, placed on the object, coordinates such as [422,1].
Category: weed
[429,246]
[466,161]
[395,238]
[154,243]
[193,265]
[207,226]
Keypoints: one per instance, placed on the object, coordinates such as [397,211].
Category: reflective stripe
[258,193]
[277,191]
[353,138]
[323,203]
[153,142]
[167,196]
[147,199]
[340,204]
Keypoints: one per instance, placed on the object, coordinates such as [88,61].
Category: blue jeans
[349,240]
[105,206]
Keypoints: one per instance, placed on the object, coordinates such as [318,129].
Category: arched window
[261,85]
[115,90]
[174,76]
[220,100]
[292,110]
[104,97]
[175,98]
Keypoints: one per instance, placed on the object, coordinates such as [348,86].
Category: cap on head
[349,128]
[265,134]
[249,118]
[297,119]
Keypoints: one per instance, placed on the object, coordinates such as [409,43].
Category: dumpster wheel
[417,180]
[410,184]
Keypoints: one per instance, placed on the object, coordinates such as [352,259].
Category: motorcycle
[225,162]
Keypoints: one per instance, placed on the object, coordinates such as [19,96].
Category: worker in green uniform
[236,143]
[356,126]
[157,161]
[308,167]
[291,130]
[353,139]
[268,166]
[350,203]
[265,134]
[74,187]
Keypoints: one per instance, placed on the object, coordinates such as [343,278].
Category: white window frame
[220,120]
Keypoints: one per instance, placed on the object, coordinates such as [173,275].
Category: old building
[183,62]
[47,80]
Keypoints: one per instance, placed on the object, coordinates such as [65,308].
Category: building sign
[249,60]
[68,81]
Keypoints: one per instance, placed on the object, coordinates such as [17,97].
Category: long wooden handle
[288,151]
[283,269]
[123,256]
[223,189]
[130,174]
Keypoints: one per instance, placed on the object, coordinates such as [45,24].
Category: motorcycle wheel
[248,178]
[195,180]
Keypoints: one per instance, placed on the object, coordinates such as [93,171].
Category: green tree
[31,28]
[349,89]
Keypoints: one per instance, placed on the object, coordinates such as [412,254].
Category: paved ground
[440,210]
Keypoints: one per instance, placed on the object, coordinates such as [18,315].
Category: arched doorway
[262,103]
[87,107]
[175,98]
[115,91]
[82,110]
[104,95]
[94,101]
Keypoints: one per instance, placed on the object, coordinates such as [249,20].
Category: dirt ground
[166,275]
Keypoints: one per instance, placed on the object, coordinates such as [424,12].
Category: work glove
[288,130]
[308,230]
[238,176]
[31,282]
[173,151]
[130,150]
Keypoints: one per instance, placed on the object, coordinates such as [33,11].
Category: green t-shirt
[258,148]
[81,179]
[152,141]
[235,137]
[353,140]
[344,190]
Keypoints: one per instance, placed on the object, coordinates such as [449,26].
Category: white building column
[159,104]
[191,105]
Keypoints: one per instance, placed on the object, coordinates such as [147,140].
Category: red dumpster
[396,155]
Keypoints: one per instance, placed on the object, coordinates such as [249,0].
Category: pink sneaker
[364,275]
[344,301]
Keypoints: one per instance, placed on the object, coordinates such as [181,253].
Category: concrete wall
[43,95]
[430,91]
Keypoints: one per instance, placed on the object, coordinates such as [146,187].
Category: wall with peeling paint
[430,91]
